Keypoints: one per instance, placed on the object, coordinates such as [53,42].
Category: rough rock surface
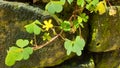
[105,32]
[13,17]
[107,59]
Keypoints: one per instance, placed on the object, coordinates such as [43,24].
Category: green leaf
[25,55]
[70,1]
[37,22]
[79,44]
[63,1]
[65,26]
[17,53]
[10,59]
[76,23]
[54,6]
[88,6]
[91,5]
[14,54]
[29,50]
[81,3]
[33,28]
[30,28]
[26,52]
[37,30]
[19,56]
[88,1]
[95,2]
[22,43]
[84,17]
[68,46]
[79,53]
[79,19]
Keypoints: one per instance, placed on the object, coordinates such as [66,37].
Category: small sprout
[65,25]
[46,36]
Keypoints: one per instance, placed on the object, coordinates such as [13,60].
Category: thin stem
[41,46]
[35,40]
[62,37]
[109,3]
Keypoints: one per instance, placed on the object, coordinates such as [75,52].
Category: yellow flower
[48,24]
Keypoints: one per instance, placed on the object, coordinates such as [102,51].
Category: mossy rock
[115,2]
[105,32]
[83,61]
[107,59]
[13,17]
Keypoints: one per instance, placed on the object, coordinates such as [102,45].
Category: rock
[84,61]
[115,2]
[107,59]
[29,1]
[105,32]
[25,1]
[13,17]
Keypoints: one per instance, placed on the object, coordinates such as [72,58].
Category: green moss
[95,31]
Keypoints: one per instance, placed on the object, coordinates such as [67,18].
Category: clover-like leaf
[29,50]
[79,44]
[88,1]
[26,52]
[62,1]
[33,27]
[81,3]
[95,2]
[54,6]
[76,23]
[14,54]
[91,5]
[10,59]
[68,46]
[65,26]
[37,22]
[37,30]
[80,21]
[30,28]
[25,55]
[22,43]
[79,53]
[84,17]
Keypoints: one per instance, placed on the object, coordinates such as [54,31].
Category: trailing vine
[76,21]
